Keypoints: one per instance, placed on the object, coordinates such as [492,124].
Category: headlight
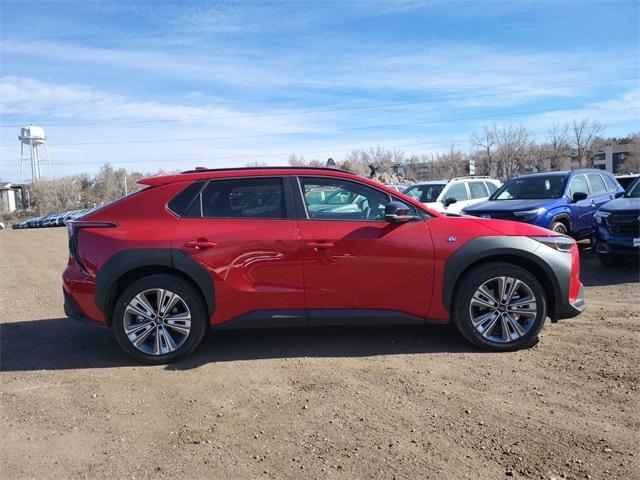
[527,215]
[600,216]
[561,243]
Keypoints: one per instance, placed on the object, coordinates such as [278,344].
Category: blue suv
[560,201]
[615,231]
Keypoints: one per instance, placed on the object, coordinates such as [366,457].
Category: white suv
[451,196]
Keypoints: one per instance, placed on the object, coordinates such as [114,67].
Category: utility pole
[126,191]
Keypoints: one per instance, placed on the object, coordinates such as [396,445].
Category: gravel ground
[374,402]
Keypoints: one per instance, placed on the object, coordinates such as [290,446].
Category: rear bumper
[72,311]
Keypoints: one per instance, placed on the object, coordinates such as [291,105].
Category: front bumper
[572,309]
[605,243]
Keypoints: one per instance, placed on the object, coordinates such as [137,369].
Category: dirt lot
[326,403]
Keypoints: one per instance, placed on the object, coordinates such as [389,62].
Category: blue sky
[171,85]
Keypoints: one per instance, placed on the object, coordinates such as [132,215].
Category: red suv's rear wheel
[159,318]
[500,306]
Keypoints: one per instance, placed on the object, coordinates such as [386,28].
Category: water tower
[33,151]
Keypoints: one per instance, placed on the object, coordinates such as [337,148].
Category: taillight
[73,228]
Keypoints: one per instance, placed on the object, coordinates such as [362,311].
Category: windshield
[634,189]
[425,193]
[531,188]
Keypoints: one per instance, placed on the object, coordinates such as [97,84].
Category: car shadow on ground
[60,343]
[594,274]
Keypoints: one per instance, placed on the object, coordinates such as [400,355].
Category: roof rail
[469,176]
[274,167]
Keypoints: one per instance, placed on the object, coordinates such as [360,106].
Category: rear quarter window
[182,201]
[611,185]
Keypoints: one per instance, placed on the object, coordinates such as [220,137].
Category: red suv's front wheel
[500,306]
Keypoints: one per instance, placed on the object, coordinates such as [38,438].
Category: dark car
[560,201]
[283,247]
[615,233]
[626,180]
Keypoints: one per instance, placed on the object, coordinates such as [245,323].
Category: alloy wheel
[157,321]
[503,309]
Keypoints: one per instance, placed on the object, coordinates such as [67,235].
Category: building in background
[11,197]
[611,156]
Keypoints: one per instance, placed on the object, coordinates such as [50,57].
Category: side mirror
[449,201]
[398,212]
[579,196]
[619,194]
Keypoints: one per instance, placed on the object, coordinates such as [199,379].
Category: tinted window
[334,199]
[578,184]
[241,198]
[457,191]
[491,186]
[182,201]
[634,190]
[531,188]
[597,184]
[611,185]
[478,190]
[425,193]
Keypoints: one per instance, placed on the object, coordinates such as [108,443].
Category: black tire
[192,299]
[559,227]
[610,261]
[468,286]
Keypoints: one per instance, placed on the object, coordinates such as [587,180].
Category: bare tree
[485,143]
[557,146]
[584,134]
[451,164]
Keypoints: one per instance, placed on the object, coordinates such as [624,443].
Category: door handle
[321,245]
[200,244]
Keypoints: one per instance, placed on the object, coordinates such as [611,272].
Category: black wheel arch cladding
[127,261]
[556,266]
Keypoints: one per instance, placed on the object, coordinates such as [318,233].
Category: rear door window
[578,184]
[597,184]
[457,191]
[241,198]
[477,189]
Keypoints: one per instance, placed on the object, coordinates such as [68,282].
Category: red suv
[286,247]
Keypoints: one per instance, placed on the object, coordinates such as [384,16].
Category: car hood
[507,227]
[622,204]
[507,205]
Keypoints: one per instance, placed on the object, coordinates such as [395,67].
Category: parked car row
[52,220]
[583,204]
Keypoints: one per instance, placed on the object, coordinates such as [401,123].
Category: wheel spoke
[143,304]
[140,339]
[513,285]
[519,331]
[180,326]
[133,309]
[480,299]
[488,293]
[489,325]
[169,301]
[478,321]
[167,344]
[506,332]
[502,286]
[136,327]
